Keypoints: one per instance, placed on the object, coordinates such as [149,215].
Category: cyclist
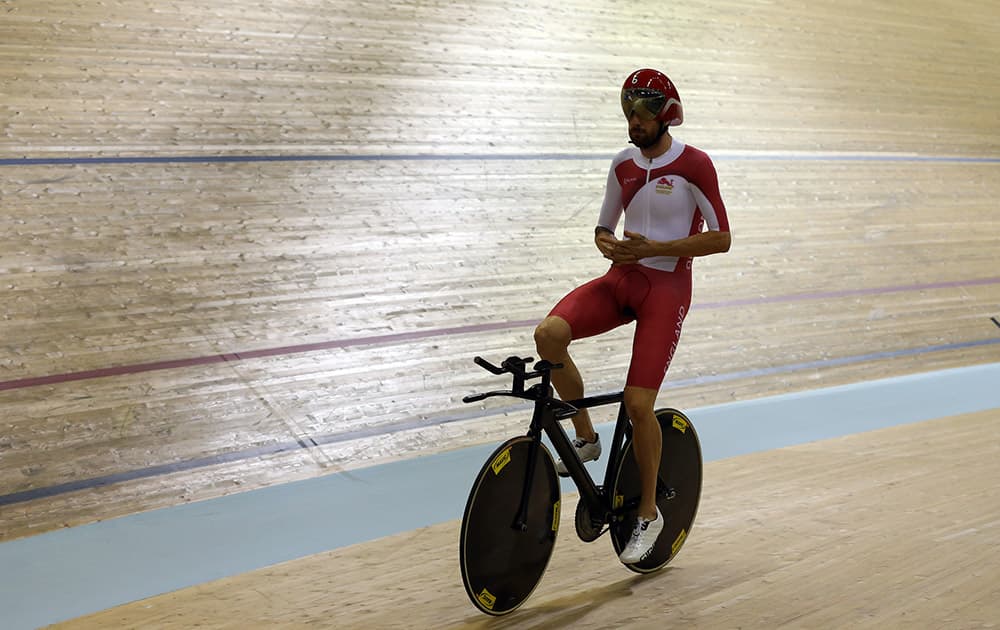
[668,192]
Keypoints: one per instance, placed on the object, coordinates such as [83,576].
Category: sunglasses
[642,101]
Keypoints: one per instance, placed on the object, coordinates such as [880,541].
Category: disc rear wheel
[678,490]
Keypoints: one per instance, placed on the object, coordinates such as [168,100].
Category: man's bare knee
[552,337]
[639,402]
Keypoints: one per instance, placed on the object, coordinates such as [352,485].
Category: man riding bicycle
[669,194]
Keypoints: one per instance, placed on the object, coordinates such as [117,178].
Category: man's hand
[635,246]
[610,248]
[620,252]
[605,242]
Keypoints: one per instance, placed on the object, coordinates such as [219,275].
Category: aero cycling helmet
[652,95]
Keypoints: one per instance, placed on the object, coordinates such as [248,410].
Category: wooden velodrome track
[250,243]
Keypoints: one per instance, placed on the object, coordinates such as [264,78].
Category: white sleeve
[611,210]
[707,210]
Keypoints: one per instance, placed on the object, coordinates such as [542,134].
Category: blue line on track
[333,438]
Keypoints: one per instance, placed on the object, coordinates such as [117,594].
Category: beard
[641,139]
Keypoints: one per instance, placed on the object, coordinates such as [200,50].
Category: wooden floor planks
[896,528]
[429,173]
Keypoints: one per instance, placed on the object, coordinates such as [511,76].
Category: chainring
[587,528]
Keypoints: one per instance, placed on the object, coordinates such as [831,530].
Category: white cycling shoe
[587,451]
[643,539]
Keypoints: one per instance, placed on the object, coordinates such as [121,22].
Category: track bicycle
[512,514]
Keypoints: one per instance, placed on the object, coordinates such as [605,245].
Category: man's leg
[552,339]
[647,442]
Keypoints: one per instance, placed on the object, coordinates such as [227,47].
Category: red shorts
[656,300]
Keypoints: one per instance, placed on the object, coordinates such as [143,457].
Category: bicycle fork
[541,417]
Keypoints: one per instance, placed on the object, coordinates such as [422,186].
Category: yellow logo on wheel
[487,599]
[680,424]
[555,516]
[501,460]
[678,542]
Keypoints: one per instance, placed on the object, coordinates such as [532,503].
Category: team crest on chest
[664,186]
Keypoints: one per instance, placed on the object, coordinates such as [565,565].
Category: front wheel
[678,489]
[503,561]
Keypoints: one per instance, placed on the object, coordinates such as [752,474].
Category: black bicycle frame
[544,419]
[547,413]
